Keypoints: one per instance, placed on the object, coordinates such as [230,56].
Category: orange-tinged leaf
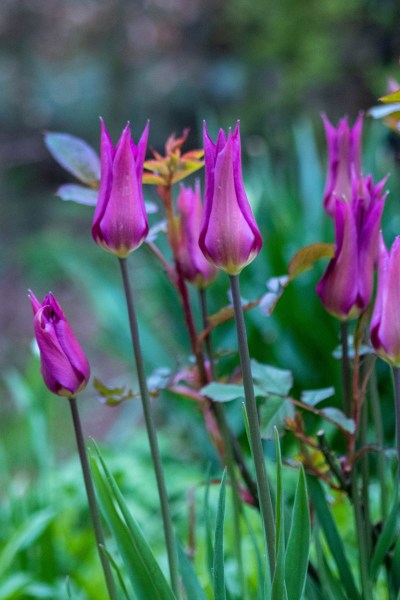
[157,166]
[305,258]
[150,178]
[394,97]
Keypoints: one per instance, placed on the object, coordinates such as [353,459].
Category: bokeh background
[275,66]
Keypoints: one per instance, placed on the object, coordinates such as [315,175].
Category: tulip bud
[385,322]
[120,221]
[229,236]
[344,160]
[346,286]
[64,366]
[195,268]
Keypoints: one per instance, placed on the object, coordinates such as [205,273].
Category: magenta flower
[64,366]
[344,160]
[385,322]
[195,268]
[120,221]
[229,236]
[346,286]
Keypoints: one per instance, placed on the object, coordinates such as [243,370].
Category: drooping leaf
[75,155]
[226,392]
[305,258]
[337,417]
[314,397]
[332,537]
[141,566]
[298,545]
[72,192]
[273,413]
[218,564]
[271,379]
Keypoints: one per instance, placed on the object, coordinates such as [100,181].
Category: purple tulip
[344,160]
[385,322]
[229,236]
[195,268]
[346,286]
[120,221]
[64,366]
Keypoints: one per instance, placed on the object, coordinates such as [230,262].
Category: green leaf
[189,577]
[314,397]
[271,379]
[112,396]
[13,586]
[393,97]
[209,545]
[298,545]
[388,535]
[226,392]
[305,258]
[337,417]
[273,413]
[278,584]
[142,568]
[332,536]
[75,155]
[24,537]
[72,192]
[218,565]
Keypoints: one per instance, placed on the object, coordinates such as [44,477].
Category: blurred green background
[275,66]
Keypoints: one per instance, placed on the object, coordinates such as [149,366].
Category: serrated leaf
[337,417]
[141,566]
[305,258]
[314,397]
[298,545]
[273,413]
[75,155]
[271,379]
[218,564]
[226,392]
[72,192]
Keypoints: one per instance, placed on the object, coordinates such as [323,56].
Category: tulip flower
[344,160]
[346,286]
[229,236]
[64,366]
[385,322]
[120,221]
[195,268]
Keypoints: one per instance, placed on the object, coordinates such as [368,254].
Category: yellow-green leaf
[305,258]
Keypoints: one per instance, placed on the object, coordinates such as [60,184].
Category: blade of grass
[218,564]
[386,538]
[189,577]
[278,584]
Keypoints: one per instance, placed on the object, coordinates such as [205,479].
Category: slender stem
[346,371]
[361,538]
[264,493]
[378,428]
[365,480]
[396,380]
[151,432]
[229,454]
[94,511]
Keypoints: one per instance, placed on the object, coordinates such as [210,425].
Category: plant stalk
[264,493]
[361,538]
[94,511]
[378,428]
[151,432]
[396,381]
[346,371]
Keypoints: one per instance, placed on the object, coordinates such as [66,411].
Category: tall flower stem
[264,493]
[378,428]
[151,432]
[229,454]
[94,511]
[361,538]
[346,371]
[396,382]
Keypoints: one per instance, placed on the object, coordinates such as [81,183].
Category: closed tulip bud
[346,286]
[344,160]
[385,322]
[229,236]
[64,366]
[195,268]
[120,221]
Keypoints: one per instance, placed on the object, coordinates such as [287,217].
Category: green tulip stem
[228,446]
[94,511]
[346,371]
[396,381]
[264,493]
[378,428]
[151,432]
